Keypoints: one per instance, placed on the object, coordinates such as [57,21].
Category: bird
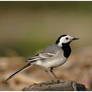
[53,56]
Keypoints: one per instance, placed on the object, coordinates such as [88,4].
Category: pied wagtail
[51,57]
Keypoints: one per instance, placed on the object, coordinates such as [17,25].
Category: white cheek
[61,41]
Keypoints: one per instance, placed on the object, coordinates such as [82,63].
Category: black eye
[67,38]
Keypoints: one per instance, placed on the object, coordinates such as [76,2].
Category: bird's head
[65,39]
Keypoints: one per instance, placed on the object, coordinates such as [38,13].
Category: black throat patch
[67,50]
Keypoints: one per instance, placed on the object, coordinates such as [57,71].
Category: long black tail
[26,66]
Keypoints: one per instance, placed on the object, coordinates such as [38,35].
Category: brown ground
[78,68]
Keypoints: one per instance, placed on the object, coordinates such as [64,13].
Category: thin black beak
[75,38]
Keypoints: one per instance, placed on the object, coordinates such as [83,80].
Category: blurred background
[28,27]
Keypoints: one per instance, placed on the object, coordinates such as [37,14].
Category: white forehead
[62,38]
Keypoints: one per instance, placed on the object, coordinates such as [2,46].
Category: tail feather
[26,66]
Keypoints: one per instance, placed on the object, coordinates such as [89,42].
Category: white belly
[57,60]
[51,63]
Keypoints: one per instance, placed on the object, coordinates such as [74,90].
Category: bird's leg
[51,70]
[50,77]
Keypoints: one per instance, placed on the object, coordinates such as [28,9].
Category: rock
[56,86]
